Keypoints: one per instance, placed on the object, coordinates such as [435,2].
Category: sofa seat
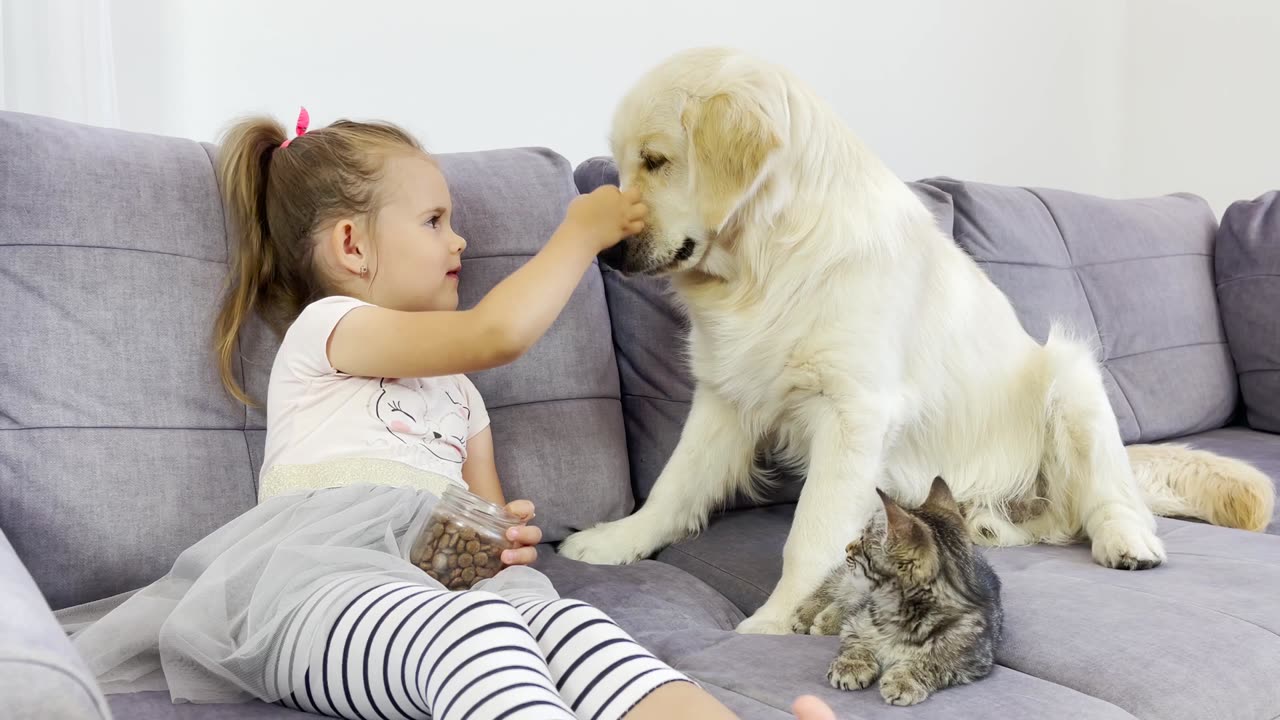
[1189,639]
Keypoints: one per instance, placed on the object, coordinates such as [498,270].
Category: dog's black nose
[686,250]
[615,256]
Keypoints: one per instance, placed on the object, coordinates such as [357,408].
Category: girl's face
[415,258]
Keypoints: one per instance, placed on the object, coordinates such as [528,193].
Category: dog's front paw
[614,543]
[902,688]
[852,672]
[766,623]
[1127,544]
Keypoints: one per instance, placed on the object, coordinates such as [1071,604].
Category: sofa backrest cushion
[1248,274]
[1135,276]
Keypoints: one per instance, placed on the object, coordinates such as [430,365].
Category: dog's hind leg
[711,461]
[1085,463]
[995,529]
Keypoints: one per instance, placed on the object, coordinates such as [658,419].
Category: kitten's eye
[653,163]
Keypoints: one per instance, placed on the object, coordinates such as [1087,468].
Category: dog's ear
[940,497]
[730,141]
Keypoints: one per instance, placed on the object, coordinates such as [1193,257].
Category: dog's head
[697,135]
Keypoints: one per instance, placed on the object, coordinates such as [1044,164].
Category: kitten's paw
[902,689]
[826,623]
[803,617]
[1127,544]
[852,673]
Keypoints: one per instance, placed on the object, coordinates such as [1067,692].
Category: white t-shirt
[316,413]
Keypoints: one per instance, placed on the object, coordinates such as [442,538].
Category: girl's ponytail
[243,165]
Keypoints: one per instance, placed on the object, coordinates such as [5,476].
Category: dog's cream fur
[832,320]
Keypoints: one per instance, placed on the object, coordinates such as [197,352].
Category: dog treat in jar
[463,540]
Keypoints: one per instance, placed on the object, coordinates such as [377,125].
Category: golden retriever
[833,320]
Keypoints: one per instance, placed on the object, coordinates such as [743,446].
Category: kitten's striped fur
[914,604]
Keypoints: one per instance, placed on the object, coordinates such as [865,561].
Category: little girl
[308,600]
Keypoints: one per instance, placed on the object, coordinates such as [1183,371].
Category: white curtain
[56,59]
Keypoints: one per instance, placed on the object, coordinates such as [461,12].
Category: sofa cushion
[739,554]
[1260,449]
[688,625]
[1117,636]
[1134,275]
[158,706]
[642,596]
[41,676]
[649,332]
[759,676]
[118,445]
[1248,275]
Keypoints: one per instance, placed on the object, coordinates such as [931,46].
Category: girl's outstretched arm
[380,342]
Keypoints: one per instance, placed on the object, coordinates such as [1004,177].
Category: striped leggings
[399,650]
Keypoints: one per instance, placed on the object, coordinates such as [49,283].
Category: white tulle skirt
[208,631]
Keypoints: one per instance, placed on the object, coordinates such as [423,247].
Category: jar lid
[469,501]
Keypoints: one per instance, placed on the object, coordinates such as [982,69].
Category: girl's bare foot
[808,707]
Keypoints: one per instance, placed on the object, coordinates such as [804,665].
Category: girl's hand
[526,537]
[605,216]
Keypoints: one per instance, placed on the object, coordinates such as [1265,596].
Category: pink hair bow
[304,121]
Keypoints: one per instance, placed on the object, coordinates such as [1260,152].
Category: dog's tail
[1174,480]
[1180,481]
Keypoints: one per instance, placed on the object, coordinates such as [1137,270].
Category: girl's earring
[364,270]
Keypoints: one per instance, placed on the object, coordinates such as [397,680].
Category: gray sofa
[118,447]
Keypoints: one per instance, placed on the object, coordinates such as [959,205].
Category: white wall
[1002,90]
[56,59]
[1202,99]
[1114,97]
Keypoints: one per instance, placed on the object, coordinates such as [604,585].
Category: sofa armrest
[41,676]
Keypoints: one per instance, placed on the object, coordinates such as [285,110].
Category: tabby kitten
[914,604]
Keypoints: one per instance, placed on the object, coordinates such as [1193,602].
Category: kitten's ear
[940,497]
[900,523]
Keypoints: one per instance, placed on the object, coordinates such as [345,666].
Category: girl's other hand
[525,537]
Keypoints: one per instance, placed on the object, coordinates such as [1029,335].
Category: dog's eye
[652,163]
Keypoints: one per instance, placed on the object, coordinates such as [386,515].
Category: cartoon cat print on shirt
[430,417]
